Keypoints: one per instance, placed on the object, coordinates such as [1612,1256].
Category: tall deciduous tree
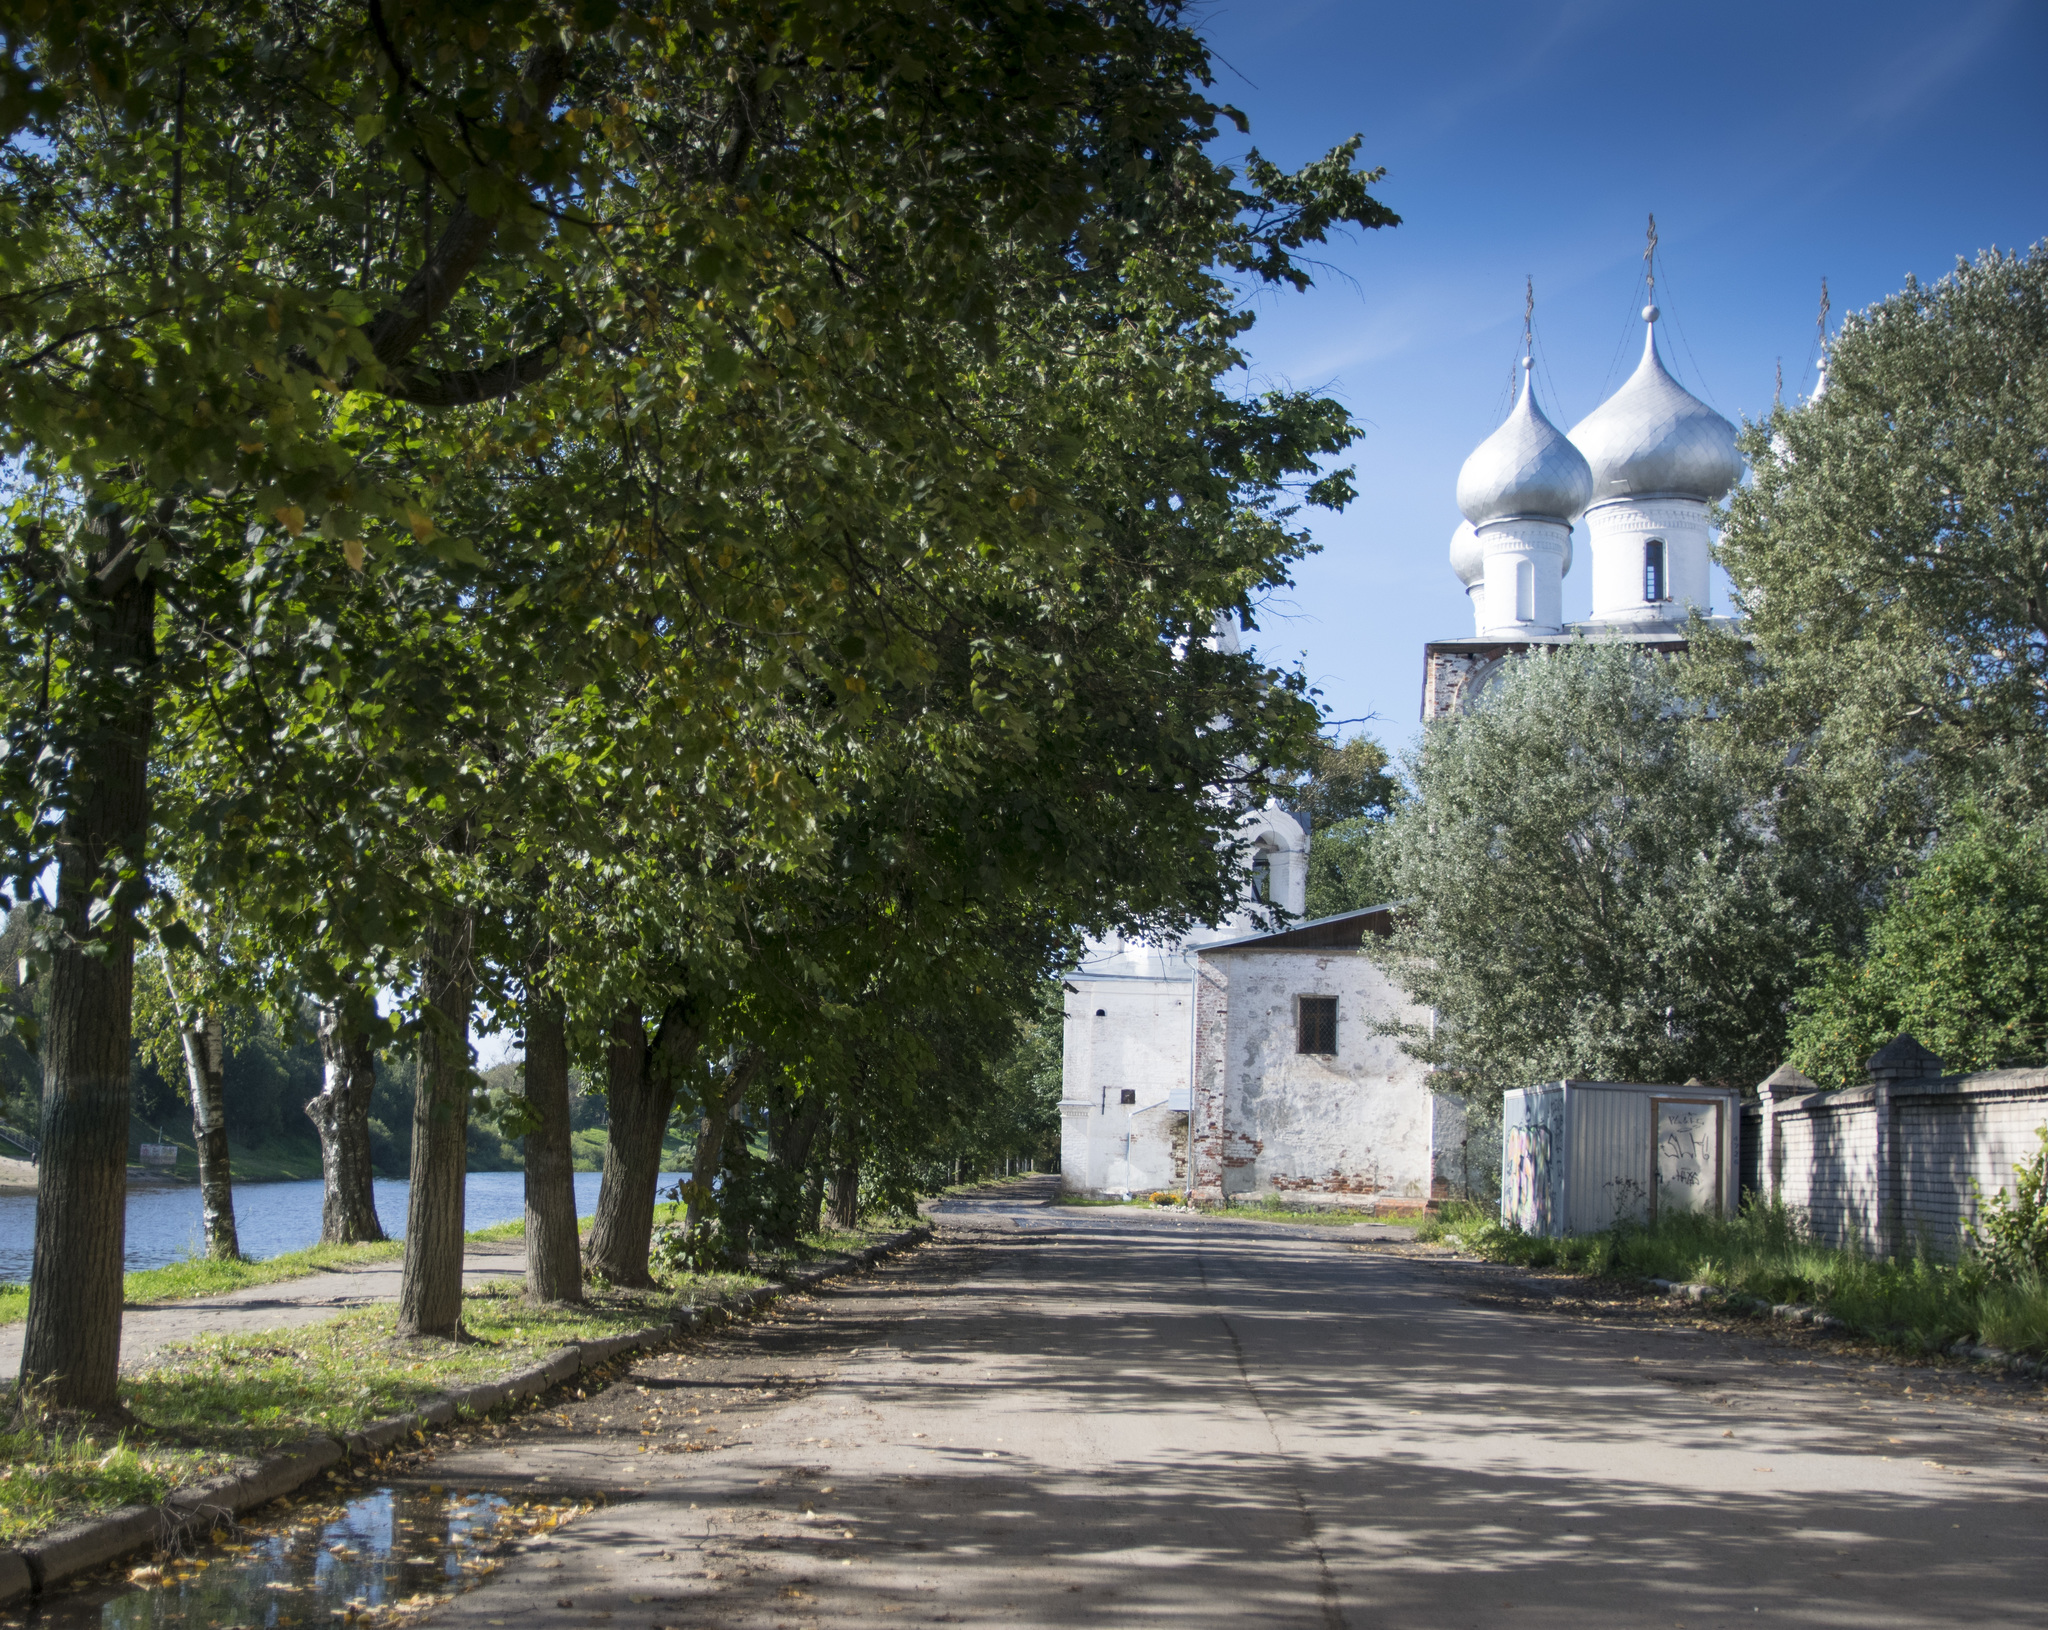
[1957,958]
[1591,890]
[1888,562]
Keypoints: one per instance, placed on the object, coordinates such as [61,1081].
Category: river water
[270,1218]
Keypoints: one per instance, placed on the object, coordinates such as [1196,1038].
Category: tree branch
[460,387]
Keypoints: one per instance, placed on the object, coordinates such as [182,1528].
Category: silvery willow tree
[1592,890]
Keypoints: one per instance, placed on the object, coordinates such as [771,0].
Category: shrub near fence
[1895,1168]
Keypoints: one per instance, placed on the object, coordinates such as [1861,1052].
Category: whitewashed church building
[1241,1063]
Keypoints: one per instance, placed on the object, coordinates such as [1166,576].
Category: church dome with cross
[1660,458]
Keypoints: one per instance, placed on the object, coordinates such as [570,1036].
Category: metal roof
[1345,931]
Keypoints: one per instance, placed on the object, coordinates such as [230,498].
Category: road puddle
[374,1559]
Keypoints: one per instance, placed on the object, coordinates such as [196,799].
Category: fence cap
[1904,1057]
[1787,1082]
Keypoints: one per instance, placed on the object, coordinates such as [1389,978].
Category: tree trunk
[792,1133]
[341,1115]
[642,1082]
[204,1046]
[554,1270]
[71,1349]
[721,1098]
[430,1291]
[846,1189]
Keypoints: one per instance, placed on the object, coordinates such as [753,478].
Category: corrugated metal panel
[1607,1158]
[1531,1171]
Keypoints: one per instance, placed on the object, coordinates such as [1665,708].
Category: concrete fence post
[1783,1082]
[1901,1062]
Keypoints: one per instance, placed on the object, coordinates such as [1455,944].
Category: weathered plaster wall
[1123,1035]
[1272,1121]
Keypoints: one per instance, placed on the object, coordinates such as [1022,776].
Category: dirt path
[1105,1419]
[148,1327]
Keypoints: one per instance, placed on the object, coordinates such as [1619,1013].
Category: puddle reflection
[377,1557]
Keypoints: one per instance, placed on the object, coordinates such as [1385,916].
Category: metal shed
[1578,1156]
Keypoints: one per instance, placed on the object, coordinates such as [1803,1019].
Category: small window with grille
[1316,1024]
[1654,586]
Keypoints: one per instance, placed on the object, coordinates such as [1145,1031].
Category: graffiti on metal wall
[1688,1157]
[1530,1155]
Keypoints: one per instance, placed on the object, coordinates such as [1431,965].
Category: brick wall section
[1890,1167]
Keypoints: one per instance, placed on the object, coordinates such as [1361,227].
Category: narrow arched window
[1525,591]
[1654,586]
[1262,877]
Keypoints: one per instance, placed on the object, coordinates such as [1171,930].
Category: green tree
[1887,561]
[1591,890]
[1348,796]
[1958,957]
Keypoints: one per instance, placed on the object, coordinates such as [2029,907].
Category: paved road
[149,1327]
[1108,1419]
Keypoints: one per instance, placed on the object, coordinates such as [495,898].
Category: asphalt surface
[1103,1418]
[149,1327]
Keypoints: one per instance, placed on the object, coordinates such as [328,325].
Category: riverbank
[17,1176]
[215,1403]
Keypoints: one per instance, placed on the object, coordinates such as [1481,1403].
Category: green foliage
[1958,958]
[1348,795]
[2010,1234]
[1595,890]
[1886,560]
[1345,782]
[1917,1304]
[1350,866]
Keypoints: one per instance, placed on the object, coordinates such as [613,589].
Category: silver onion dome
[1525,468]
[1654,437]
[1468,554]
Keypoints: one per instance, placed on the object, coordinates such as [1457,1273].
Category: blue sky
[1776,144]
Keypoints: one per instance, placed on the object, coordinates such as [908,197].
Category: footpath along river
[270,1218]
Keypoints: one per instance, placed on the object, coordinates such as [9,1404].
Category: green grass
[202,1276]
[51,1474]
[1917,1304]
[225,1397]
[251,1391]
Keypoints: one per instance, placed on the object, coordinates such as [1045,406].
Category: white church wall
[1124,1085]
[1270,1120]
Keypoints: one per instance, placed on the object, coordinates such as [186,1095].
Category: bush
[2010,1235]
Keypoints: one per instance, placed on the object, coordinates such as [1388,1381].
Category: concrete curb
[65,1553]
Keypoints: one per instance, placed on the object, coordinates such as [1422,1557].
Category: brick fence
[1889,1167]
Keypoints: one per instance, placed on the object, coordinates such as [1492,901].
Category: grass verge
[1918,1304]
[204,1276]
[223,1398]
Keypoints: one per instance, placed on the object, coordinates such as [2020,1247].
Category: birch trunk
[341,1115]
[71,1349]
[430,1290]
[204,1046]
